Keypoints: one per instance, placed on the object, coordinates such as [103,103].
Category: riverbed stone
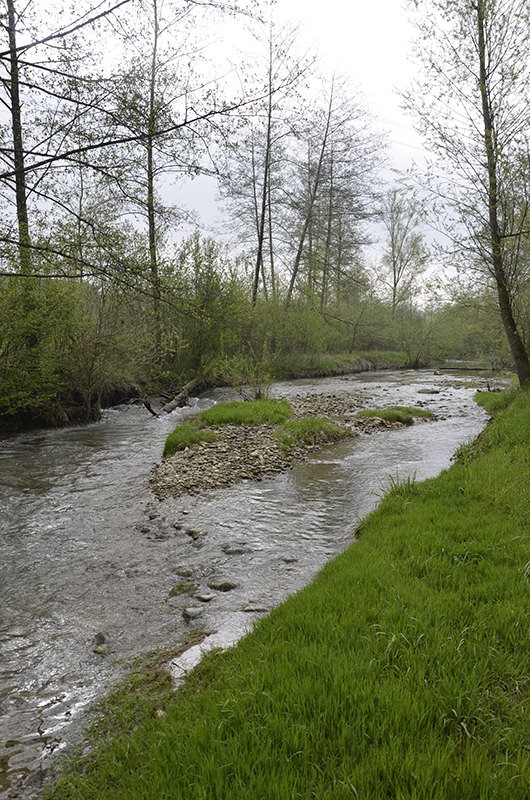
[192,612]
[221,585]
[235,549]
[184,587]
[244,452]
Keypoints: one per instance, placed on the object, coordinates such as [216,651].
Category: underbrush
[401,671]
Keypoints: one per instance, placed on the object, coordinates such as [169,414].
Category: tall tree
[405,255]
[257,158]
[472,104]
[332,191]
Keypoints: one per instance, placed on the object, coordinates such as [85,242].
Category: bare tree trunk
[518,350]
[151,211]
[181,399]
[259,267]
[24,242]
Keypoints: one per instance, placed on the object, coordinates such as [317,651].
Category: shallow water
[86,549]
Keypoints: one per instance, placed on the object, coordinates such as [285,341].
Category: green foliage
[253,412]
[309,431]
[403,414]
[401,671]
[186,435]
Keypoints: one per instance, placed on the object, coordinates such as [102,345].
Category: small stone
[222,585]
[235,549]
[100,649]
[204,598]
[289,559]
[100,637]
[184,587]
[193,612]
[195,534]
[184,572]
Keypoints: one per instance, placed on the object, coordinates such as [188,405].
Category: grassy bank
[401,671]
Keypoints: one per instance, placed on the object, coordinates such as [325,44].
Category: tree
[333,192]
[258,155]
[405,254]
[472,104]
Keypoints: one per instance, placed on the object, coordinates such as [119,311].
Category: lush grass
[402,671]
[403,414]
[309,431]
[253,412]
[319,364]
[186,435]
[496,401]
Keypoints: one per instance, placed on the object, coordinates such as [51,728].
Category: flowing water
[89,556]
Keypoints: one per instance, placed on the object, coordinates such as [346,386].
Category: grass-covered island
[236,441]
[401,671]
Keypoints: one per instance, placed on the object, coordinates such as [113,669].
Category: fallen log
[182,398]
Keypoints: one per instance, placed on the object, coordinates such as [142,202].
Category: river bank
[401,670]
[77,407]
[89,553]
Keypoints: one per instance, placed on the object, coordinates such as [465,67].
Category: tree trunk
[181,399]
[151,211]
[310,205]
[518,350]
[24,242]
[259,267]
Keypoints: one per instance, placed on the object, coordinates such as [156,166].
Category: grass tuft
[186,435]
[402,414]
[253,412]
[309,431]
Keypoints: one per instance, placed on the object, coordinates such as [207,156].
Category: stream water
[87,553]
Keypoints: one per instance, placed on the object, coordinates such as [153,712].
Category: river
[87,553]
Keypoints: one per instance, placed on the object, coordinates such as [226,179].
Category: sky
[368,42]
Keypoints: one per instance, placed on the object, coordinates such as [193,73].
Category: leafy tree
[472,104]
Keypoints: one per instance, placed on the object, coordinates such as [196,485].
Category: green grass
[186,435]
[402,414]
[253,412]
[309,431]
[402,671]
[495,401]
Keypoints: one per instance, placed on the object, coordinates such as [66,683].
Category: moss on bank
[401,671]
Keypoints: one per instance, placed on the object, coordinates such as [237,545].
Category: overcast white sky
[370,43]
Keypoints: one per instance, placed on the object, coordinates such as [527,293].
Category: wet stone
[184,587]
[191,613]
[204,598]
[235,549]
[221,585]
[184,572]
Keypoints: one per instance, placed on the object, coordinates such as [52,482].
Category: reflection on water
[86,550]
